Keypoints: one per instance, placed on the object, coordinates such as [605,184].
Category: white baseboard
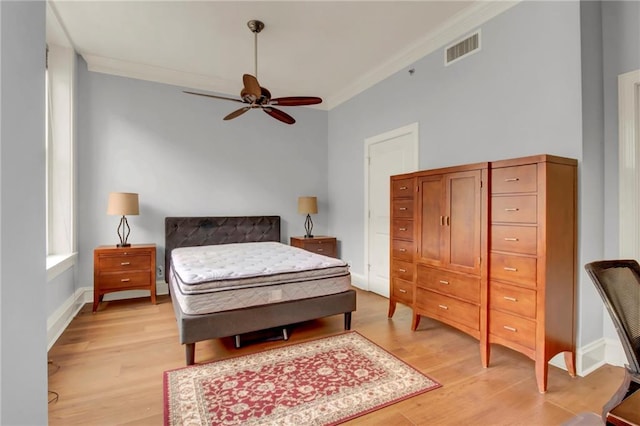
[358,280]
[60,319]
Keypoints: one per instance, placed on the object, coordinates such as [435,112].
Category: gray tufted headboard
[202,231]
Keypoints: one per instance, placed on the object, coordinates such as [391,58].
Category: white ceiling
[331,49]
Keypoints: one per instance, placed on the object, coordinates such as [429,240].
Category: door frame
[409,129]
[628,168]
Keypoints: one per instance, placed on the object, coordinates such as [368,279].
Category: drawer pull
[444,282]
[125,263]
[402,290]
[506,327]
[125,280]
[511,209]
[403,209]
[510,269]
[402,229]
[441,220]
[402,250]
[510,299]
[402,270]
[510,239]
[320,249]
[445,307]
[512,179]
[403,188]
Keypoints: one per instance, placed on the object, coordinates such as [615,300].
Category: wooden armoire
[490,249]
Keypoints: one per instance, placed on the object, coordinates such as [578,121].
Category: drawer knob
[510,299]
[444,282]
[125,263]
[320,249]
[511,209]
[402,270]
[403,209]
[402,250]
[403,188]
[510,239]
[510,269]
[402,290]
[402,229]
[125,280]
[514,179]
[506,327]
[445,307]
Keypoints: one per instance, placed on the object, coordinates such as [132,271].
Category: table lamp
[123,204]
[308,206]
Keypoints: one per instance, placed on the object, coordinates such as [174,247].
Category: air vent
[462,48]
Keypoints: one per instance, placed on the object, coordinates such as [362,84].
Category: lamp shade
[123,204]
[307,205]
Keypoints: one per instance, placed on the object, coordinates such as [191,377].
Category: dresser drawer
[403,209]
[402,291]
[447,309]
[124,262]
[516,300]
[115,280]
[402,250]
[402,270]
[514,209]
[513,328]
[516,269]
[515,239]
[402,188]
[403,229]
[450,283]
[514,179]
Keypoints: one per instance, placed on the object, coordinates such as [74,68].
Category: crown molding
[464,22]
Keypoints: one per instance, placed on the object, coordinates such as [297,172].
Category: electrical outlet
[160,272]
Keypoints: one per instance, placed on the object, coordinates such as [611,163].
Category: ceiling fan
[256,96]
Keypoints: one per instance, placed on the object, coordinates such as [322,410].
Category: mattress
[223,277]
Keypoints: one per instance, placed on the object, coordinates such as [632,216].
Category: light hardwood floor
[108,369]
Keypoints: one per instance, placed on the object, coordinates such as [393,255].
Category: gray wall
[23,356]
[176,151]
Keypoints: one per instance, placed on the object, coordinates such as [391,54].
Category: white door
[391,153]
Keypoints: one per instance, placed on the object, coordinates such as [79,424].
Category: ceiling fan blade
[296,100]
[251,85]
[237,113]
[214,96]
[279,115]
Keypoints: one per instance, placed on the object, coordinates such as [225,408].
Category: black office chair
[618,282]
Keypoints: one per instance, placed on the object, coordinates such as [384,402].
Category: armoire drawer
[514,239]
[402,291]
[514,179]
[514,209]
[515,269]
[450,283]
[402,209]
[448,309]
[513,299]
[402,188]
[402,270]
[513,328]
[402,250]
[402,229]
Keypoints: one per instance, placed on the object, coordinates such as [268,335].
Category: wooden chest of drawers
[123,268]
[326,246]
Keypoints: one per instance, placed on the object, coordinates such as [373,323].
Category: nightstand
[123,268]
[319,244]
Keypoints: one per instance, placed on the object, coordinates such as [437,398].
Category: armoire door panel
[431,189]
[463,221]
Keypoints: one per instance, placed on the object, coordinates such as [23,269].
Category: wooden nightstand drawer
[123,262]
[326,246]
[123,268]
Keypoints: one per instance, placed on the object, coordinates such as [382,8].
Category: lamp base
[123,245]
[308,236]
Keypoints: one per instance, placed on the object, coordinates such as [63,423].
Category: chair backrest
[618,282]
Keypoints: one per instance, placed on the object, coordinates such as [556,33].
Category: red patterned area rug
[321,382]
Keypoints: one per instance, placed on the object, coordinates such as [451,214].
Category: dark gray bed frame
[200,231]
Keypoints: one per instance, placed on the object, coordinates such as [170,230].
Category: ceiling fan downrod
[255,26]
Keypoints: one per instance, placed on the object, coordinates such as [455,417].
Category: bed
[197,233]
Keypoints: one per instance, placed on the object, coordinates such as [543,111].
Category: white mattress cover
[233,276]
